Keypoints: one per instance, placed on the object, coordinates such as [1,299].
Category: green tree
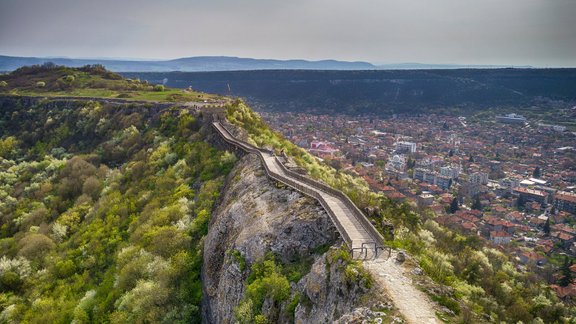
[454,206]
[520,202]
[547,227]
[7,146]
[476,204]
[35,246]
[537,172]
[566,278]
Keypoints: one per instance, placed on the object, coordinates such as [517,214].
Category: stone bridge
[358,233]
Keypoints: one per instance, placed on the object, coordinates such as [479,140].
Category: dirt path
[412,303]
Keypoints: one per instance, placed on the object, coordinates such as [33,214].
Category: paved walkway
[414,304]
[341,213]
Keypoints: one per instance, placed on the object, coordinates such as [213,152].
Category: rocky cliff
[257,218]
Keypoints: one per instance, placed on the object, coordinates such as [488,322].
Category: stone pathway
[412,303]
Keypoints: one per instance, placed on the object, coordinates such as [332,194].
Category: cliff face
[255,217]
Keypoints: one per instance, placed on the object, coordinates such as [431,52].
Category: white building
[509,183]
[397,162]
[451,172]
[405,147]
[478,178]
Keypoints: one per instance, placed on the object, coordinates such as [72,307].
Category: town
[507,179]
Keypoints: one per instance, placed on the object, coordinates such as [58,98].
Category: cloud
[536,32]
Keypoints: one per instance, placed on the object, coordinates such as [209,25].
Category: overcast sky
[511,32]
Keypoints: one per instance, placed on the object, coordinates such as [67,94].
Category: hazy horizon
[535,33]
[376,64]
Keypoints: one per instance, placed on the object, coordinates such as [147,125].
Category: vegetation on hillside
[102,213]
[90,81]
[270,282]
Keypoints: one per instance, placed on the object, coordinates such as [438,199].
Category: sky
[539,33]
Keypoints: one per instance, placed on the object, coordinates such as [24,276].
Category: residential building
[452,172]
[443,182]
[424,175]
[405,147]
[397,162]
[322,148]
[531,195]
[425,199]
[565,201]
[509,183]
[478,178]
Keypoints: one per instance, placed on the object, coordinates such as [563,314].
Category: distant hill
[423,66]
[384,92]
[189,64]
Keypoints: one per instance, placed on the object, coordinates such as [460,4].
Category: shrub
[159,88]
[10,281]
[7,146]
[92,187]
[65,269]
[34,246]
[265,282]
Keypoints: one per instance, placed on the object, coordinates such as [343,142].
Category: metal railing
[312,189]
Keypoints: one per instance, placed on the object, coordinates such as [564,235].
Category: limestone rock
[255,217]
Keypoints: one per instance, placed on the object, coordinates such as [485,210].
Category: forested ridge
[382,93]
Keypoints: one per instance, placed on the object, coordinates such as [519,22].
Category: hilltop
[91,81]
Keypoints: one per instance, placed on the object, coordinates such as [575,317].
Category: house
[469,226]
[565,238]
[531,257]
[565,293]
[322,148]
[545,245]
[515,216]
[395,195]
[500,237]
[425,199]
[493,224]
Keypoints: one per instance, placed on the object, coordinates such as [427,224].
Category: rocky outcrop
[335,289]
[256,216]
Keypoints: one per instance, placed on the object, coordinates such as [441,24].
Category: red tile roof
[566,196]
